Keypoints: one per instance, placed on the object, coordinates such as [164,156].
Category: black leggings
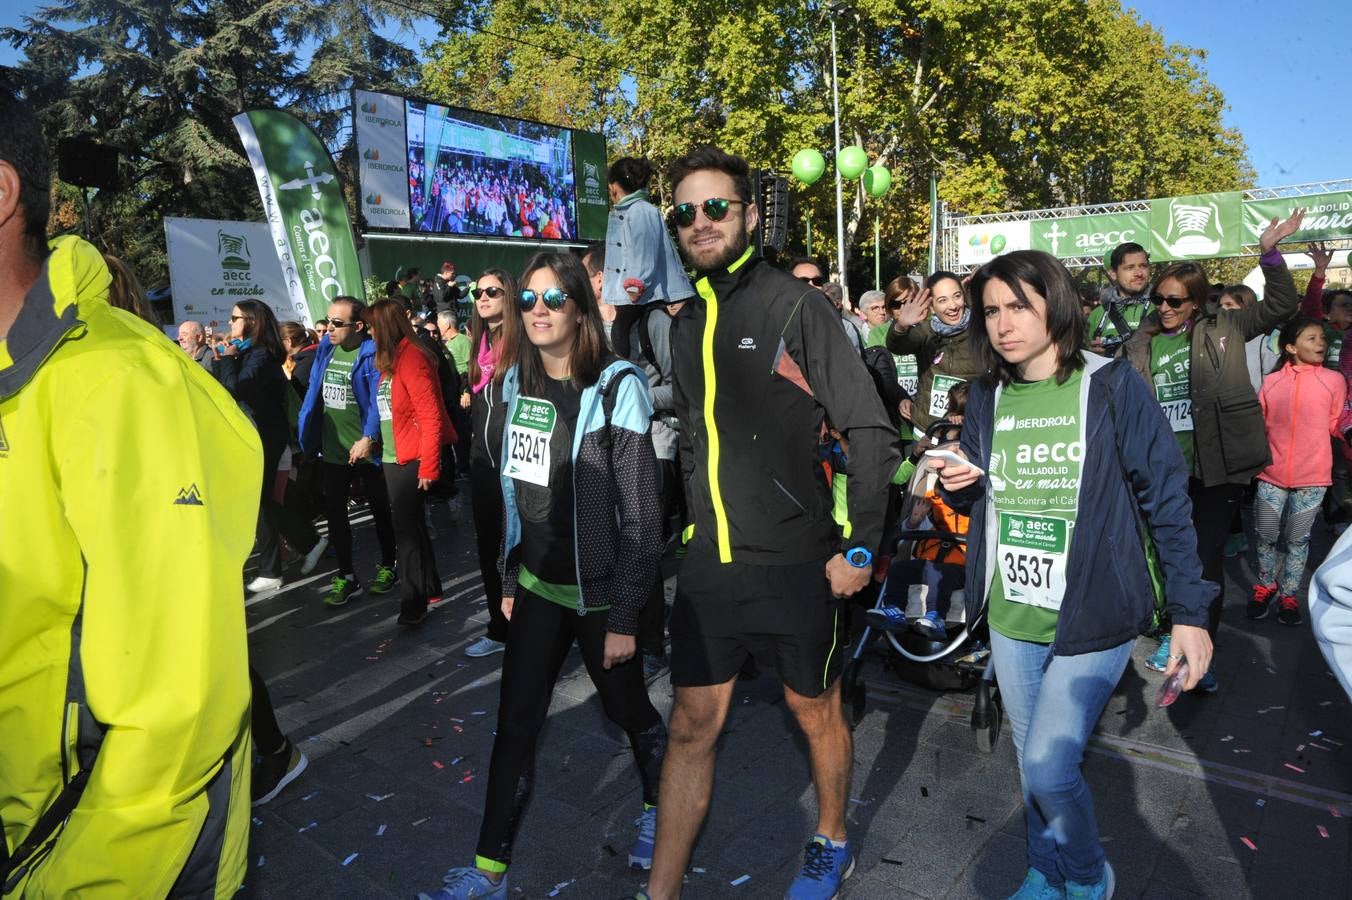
[337,482]
[276,520]
[652,620]
[486,495]
[1212,509]
[417,561]
[267,734]
[542,633]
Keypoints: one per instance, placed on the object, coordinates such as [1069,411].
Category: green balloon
[851,162]
[877,180]
[808,165]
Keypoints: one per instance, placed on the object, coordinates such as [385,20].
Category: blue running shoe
[1160,658]
[1101,890]
[1036,887]
[824,868]
[931,625]
[1207,683]
[641,854]
[467,883]
[886,618]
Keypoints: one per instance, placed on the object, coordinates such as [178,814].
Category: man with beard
[760,363]
[1122,304]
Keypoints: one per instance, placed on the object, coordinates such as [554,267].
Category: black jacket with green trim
[760,363]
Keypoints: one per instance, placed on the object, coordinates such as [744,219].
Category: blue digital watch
[859,557]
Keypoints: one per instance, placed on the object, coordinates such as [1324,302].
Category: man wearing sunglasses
[340,424]
[760,364]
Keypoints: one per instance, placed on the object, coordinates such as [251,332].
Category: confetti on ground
[467,779]
[309,795]
[455,719]
[1294,768]
[1335,812]
[1316,734]
[698,870]
[1272,670]
[1323,832]
[891,862]
[1248,843]
[422,820]
[1276,707]
[742,880]
[380,832]
[1260,802]
[257,821]
[1327,703]
[307,827]
[1239,750]
[479,712]
[348,861]
[438,763]
[372,657]
[1321,747]
[1300,747]
[263,859]
[1329,740]
[456,760]
[380,797]
[1227,739]
[560,886]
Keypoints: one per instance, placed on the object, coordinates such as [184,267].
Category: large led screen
[480,174]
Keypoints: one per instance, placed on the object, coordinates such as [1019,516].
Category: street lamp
[833,10]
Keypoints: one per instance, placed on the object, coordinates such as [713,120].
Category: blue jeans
[1053,704]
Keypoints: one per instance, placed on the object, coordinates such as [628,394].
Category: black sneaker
[274,771]
[1288,610]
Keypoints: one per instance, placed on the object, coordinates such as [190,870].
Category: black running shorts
[783,617]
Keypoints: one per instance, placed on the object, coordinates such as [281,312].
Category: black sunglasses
[715,210]
[339,323]
[554,299]
[492,292]
[1174,302]
[238,318]
[815,280]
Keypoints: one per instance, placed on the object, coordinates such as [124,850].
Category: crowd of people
[469,194]
[605,409]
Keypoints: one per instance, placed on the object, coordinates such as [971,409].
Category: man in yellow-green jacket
[125,478]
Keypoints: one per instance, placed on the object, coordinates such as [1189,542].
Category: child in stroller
[936,562]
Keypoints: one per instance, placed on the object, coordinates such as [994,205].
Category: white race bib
[335,394]
[383,402]
[939,388]
[1031,554]
[1176,401]
[528,437]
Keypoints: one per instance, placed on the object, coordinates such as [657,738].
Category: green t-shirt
[342,418]
[459,348]
[1334,339]
[1037,449]
[387,453]
[1132,313]
[411,290]
[1171,372]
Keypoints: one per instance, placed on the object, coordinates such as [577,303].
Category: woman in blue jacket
[1085,491]
[583,537]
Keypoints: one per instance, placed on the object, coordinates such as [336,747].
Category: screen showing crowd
[473,173]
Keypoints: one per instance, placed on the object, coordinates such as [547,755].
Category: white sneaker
[484,646]
[312,558]
[261,584]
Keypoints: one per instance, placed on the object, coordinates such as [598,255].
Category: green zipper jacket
[129,480]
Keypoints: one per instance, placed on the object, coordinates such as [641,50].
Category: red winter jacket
[420,423]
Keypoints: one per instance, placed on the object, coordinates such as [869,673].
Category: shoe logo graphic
[189,496]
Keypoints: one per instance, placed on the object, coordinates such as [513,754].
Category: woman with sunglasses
[932,326]
[1080,465]
[249,365]
[413,428]
[1195,362]
[494,292]
[584,537]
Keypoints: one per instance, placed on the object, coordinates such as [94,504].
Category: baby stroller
[952,658]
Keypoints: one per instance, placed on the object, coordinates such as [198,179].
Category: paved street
[1247,793]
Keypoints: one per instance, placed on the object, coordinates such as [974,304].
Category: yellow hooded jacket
[128,488]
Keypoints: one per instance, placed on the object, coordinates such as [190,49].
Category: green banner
[1327,216]
[303,205]
[1090,235]
[593,203]
[1201,226]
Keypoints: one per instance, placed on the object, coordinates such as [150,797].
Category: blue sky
[1284,70]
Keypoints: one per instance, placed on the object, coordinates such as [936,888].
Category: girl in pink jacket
[1302,403]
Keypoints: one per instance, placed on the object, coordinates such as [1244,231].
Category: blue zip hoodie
[1109,595]
[365,383]
[617,518]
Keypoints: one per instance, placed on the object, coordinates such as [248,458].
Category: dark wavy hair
[389,326]
[1041,273]
[478,327]
[1289,334]
[262,329]
[709,157]
[630,173]
[588,353]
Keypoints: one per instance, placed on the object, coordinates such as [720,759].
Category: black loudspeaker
[774,199]
[86,163]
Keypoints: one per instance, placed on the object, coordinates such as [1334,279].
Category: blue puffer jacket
[365,383]
[617,518]
[1109,596]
